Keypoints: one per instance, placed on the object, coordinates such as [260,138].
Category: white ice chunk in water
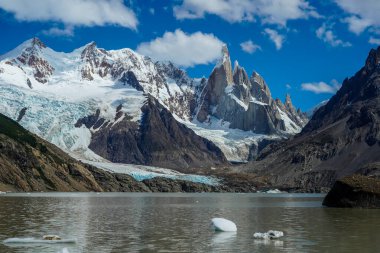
[271,234]
[28,241]
[51,237]
[274,191]
[224,225]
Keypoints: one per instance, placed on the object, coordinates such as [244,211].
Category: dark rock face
[342,137]
[244,102]
[354,191]
[29,83]
[92,121]
[21,114]
[130,78]
[157,140]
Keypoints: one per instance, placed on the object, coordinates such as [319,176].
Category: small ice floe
[45,239]
[51,237]
[273,191]
[275,243]
[271,234]
[223,225]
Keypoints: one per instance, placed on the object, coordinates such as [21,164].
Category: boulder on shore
[354,191]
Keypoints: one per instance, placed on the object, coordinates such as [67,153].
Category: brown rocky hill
[342,138]
[28,163]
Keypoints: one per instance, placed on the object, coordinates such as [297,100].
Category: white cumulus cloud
[183,49]
[321,87]
[230,10]
[67,31]
[364,14]
[375,41]
[249,47]
[269,11]
[73,12]
[275,37]
[357,25]
[326,34]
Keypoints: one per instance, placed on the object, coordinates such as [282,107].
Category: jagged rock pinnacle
[91,44]
[288,100]
[226,63]
[225,52]
[37,42]
[373,59]
[89,50]
[236,66]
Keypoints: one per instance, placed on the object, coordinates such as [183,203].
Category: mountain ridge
[91,79]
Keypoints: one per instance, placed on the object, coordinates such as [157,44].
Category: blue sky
[302,47]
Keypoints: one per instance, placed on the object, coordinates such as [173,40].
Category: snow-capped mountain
[93,98]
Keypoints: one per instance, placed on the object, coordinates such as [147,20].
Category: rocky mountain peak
[288,102]
[225,63]
[246,103]
[352,99]
[36,42]
[373,59]
[240,75]
[225,53]
[279,103]
[288,99]
[95,61]
[31,54]
[236,66]
[341,138]
[260,89]
[89,50]
[32,46]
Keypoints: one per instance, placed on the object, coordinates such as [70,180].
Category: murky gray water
[135,222]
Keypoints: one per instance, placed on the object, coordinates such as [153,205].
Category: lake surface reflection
[178,222]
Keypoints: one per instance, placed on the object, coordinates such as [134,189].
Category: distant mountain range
[124,107]
[114,108]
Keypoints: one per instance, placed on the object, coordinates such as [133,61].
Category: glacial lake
[180,222]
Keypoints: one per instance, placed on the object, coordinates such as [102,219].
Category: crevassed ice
[54,120]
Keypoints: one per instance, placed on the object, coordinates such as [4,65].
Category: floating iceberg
[271,234]
[223,225]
